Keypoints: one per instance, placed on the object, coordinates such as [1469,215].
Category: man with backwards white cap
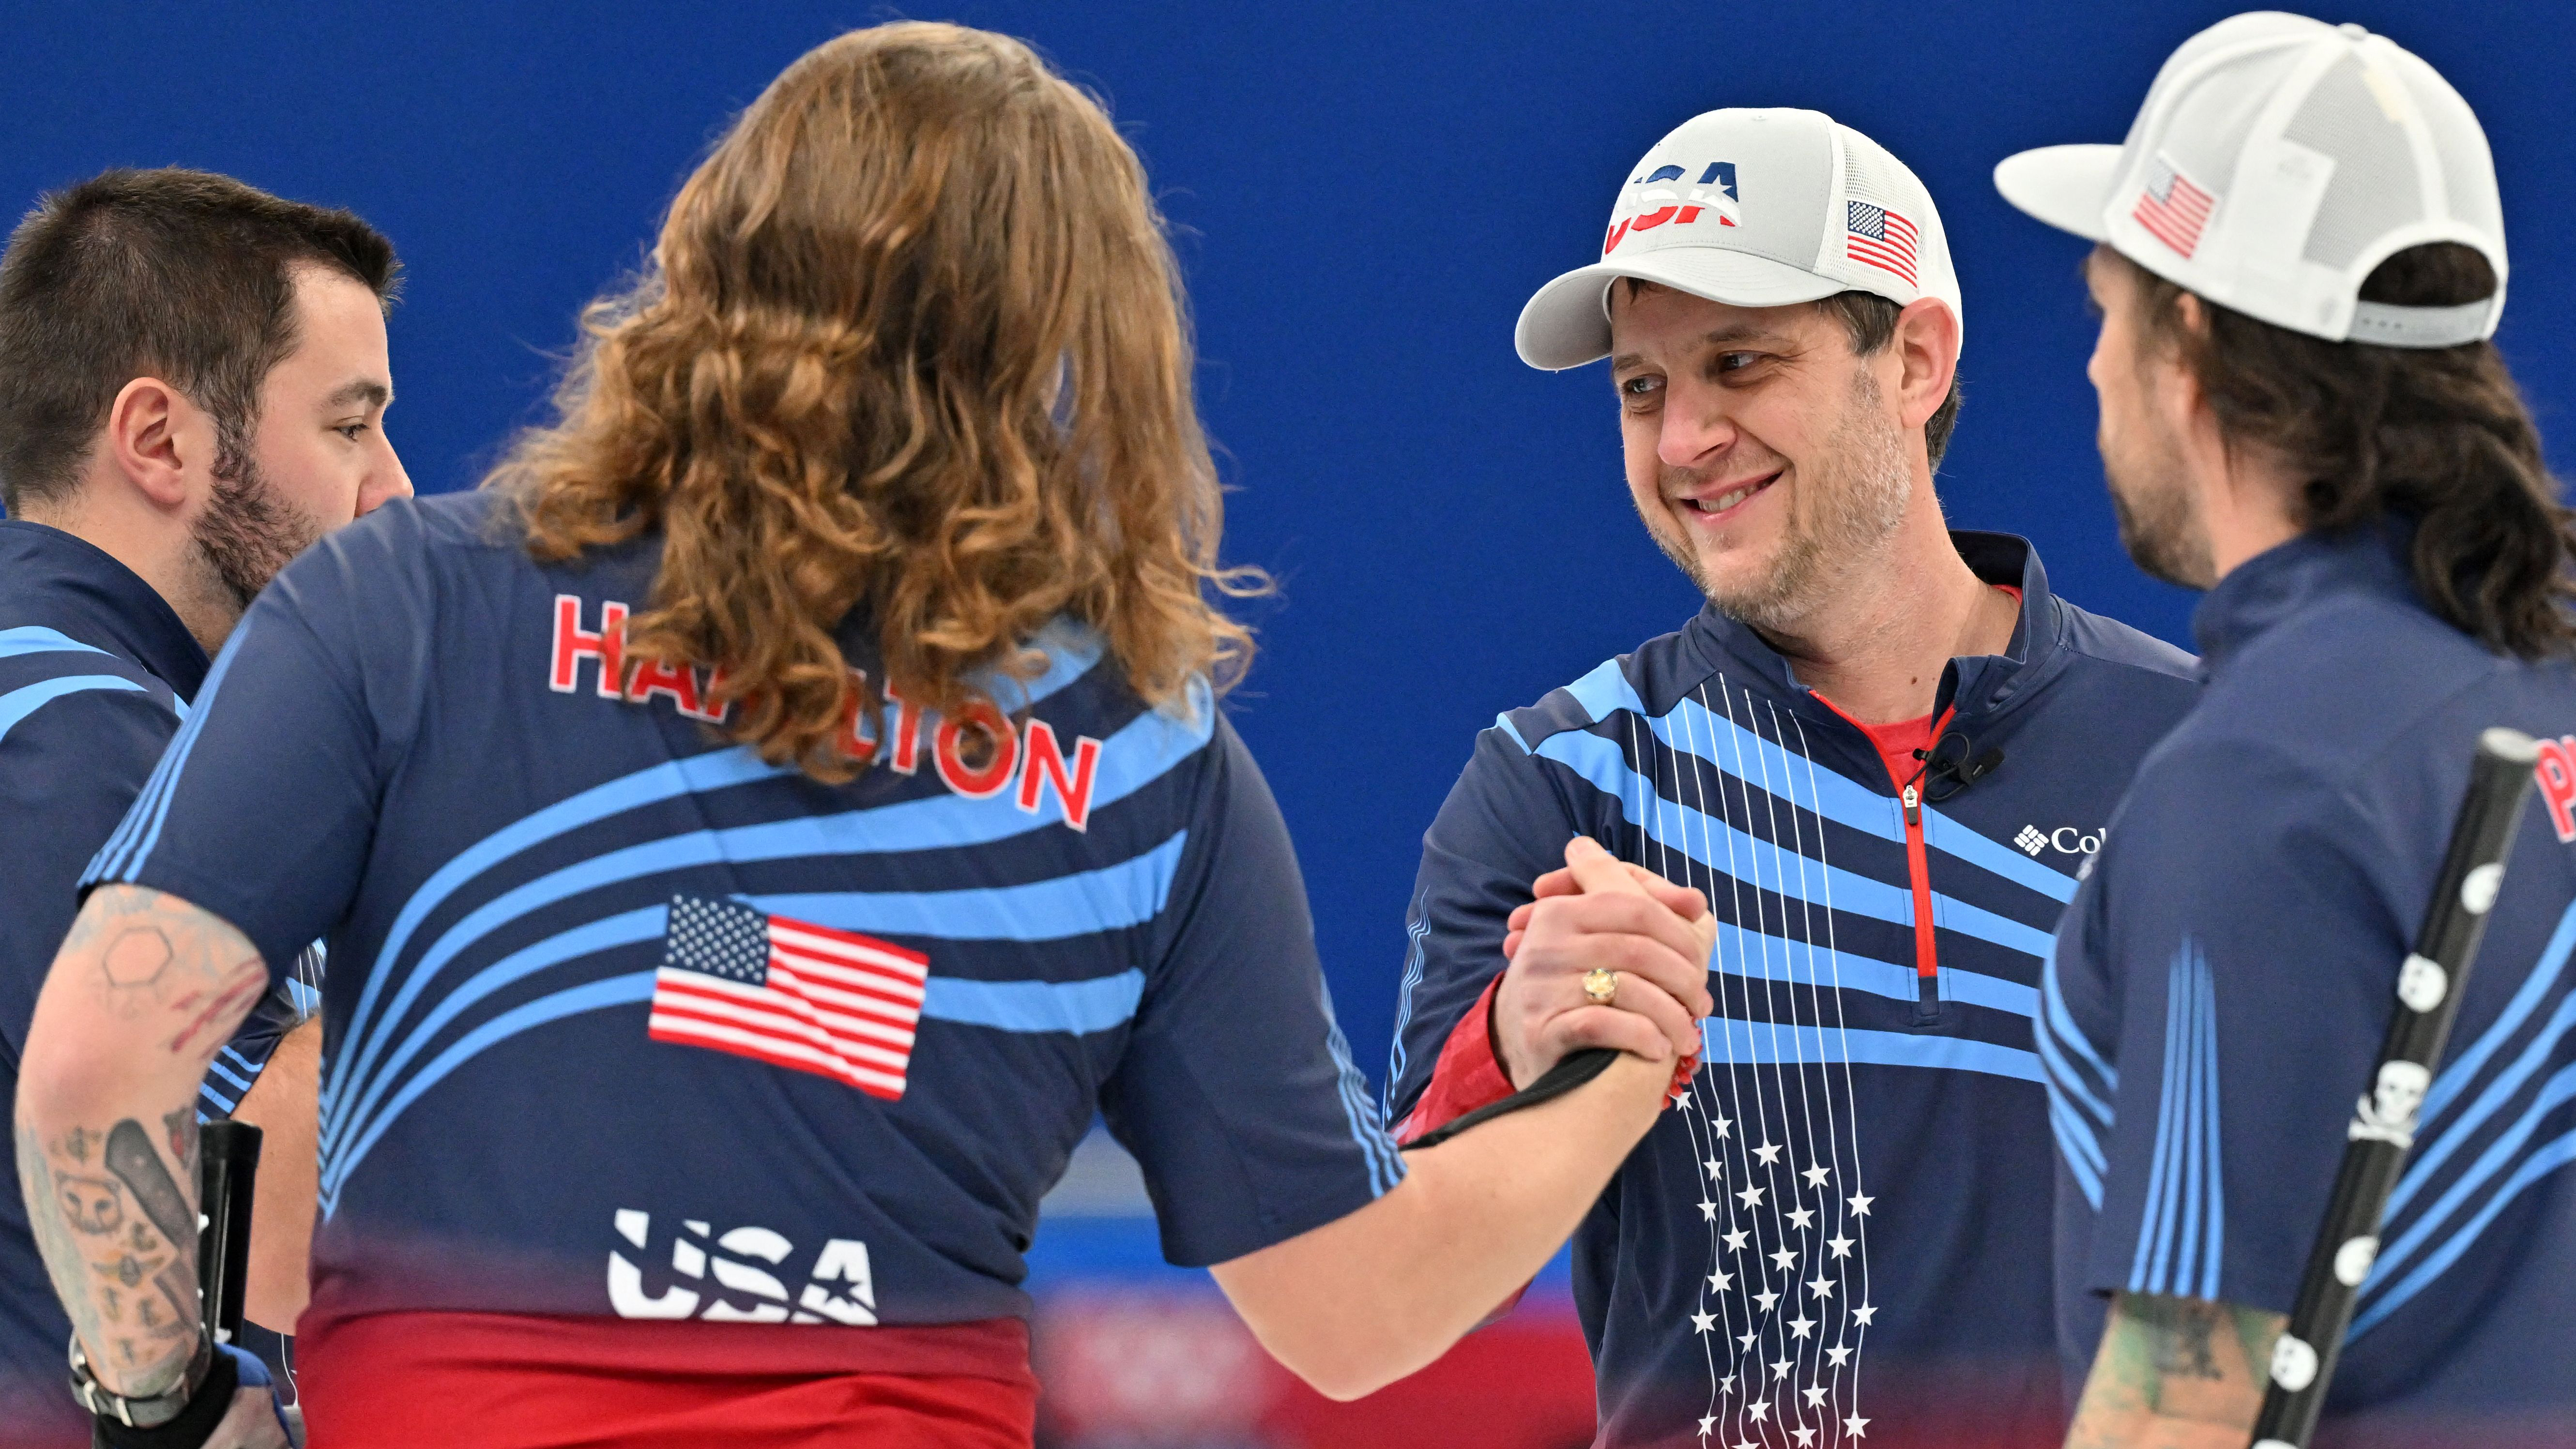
[2300,258]
[1882,750]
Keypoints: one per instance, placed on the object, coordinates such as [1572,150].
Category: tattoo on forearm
[112,1198]
[131,1158]
[53,1238]
[2175,1371]
[248,980]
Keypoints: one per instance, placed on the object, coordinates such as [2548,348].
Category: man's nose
[1695,428]
[386,482]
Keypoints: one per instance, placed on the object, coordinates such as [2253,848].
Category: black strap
[195,1423]
[1571,1071]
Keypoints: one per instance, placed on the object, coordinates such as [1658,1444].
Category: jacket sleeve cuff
[1467,1076]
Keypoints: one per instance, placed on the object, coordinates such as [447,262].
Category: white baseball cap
[2278,160]
[1754,208]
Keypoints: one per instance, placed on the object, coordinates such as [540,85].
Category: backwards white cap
[1754,208]
[2277,161]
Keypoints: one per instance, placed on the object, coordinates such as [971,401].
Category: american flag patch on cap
[1881,238]
[2172,209]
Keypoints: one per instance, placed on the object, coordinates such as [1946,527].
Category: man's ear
[1927,349]
[2177,385]
[152,438]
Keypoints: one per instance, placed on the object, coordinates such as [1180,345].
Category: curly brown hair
[912,346]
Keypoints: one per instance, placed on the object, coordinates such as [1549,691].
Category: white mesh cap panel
[2214,113]
[2467,167]
[1874,177]
[2376,188]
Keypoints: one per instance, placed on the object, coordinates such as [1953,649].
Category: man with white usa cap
[2299,259]
[1881,750]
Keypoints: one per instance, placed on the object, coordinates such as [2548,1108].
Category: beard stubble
[1848,504]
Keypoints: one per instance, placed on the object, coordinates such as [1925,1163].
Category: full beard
[1847,506]
[2159,527]
[248,533]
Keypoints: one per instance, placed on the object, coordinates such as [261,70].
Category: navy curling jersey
[96,673]
[2223,982]
[1842,1235]
[625,1023]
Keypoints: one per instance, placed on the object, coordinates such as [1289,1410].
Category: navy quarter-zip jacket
[1842,1234]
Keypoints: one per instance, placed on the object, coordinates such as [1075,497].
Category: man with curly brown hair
[761,830]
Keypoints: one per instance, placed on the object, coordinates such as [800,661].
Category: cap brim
[1566,324]
[2069,187]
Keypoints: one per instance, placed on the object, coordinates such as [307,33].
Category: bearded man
[1885,750]
[193,379]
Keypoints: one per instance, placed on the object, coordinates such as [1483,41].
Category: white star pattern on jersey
[1766,1202]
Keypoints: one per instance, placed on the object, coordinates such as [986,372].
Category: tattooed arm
[2175,1373]
[142,993]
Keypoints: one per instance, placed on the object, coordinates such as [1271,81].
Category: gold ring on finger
[1601,986]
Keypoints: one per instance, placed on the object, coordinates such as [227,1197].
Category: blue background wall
[1363,194]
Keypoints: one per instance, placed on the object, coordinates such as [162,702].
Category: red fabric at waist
[532,1381]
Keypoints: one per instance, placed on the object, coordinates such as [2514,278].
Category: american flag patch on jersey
[1880,237]
[2172,208]
[795,995]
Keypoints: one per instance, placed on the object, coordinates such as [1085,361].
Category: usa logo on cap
[1713,194]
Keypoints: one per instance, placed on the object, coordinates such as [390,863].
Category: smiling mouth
[1723,503]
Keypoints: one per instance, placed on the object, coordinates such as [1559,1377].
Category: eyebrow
[1720,337]
[365,390]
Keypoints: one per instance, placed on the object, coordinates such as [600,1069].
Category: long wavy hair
[911,347]
[2439,435]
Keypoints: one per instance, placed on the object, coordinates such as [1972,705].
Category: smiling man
[1883,749]
[193,379]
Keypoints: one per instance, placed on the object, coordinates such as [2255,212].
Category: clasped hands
[1648,939]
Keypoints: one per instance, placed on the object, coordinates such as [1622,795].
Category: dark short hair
[2437,435]
[1869,320]
[183,275]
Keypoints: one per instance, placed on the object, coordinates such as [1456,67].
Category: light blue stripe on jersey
[699,774]
[1602,763]
[2063,1026]
[140,830]
[1359,1114]
[37,639]
[1080,1008]
[2465,1067]
[1132,758]
[2556,1092]
[2077,1147]
[2182,1229]
[25,700]
[1417,929]
[1764,957]
[1111,898]
[1728,1041]
[628,990]
[1834,796]
[2551,1156]
[216,1070]
[1948,836]
[2433,1151]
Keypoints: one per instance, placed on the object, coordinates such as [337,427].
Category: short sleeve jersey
[623,1021]
[2213,1013]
